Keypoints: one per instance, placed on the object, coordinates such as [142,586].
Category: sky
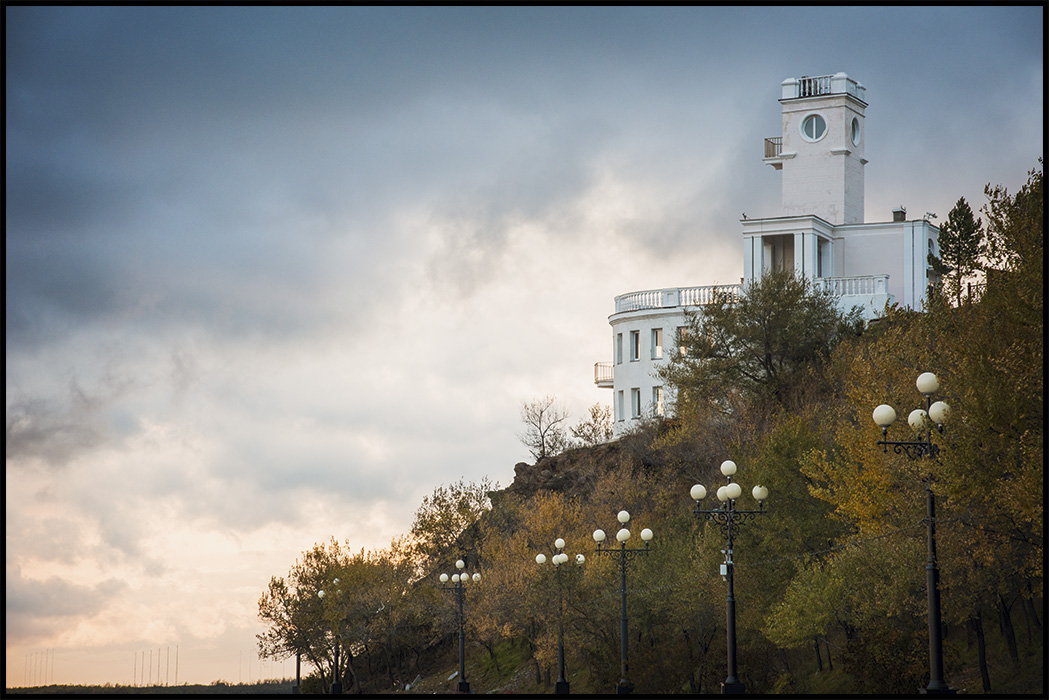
[274,275]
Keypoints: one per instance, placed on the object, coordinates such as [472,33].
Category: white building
[820,233]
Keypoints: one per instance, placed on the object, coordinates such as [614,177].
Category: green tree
[961,243]
[762,344]
[301,621]
[597,428]
[441,522]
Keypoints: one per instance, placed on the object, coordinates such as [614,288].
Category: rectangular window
[682,340]
[635,403]
[657,399]
[635,346]
[657,343]
[619,348]
[619,405]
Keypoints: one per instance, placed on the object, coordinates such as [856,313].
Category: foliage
[759,345]
[961,242]
[834,569]
[596,429]
[442,520]
[544,433]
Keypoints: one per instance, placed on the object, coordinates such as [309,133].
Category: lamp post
[336,684]
[624,687]
[561,687]
[458,583]
[919,448]
[727,516]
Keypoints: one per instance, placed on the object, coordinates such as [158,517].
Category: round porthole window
[855,131]
[813,127]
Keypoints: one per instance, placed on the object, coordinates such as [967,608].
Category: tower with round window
[821,149]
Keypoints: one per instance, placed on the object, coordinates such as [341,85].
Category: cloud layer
[275,274]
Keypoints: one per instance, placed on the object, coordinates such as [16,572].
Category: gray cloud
[37,609]
[267,262]
[56,430]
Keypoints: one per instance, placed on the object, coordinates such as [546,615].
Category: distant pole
[150,666]
[298,673]
[167,667]
[176,664]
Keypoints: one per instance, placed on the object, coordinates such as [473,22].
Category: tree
[302,622]
[443,518]
[961,246]
[759,345]
[544,434]
[369,607]
[597,429]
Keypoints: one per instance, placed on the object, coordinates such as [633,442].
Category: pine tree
[961,246]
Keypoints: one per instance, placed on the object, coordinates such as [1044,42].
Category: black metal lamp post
[921,447]
[458,583]
[336,684]
[728,516]
[624,687]
[561,687]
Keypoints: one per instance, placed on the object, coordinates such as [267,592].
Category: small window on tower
[813,127]
[635,346]
[657,343]
[855,131]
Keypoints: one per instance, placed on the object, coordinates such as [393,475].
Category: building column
[751,248]
[805,254]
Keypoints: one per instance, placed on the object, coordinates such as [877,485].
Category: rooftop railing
[674,296]
[815,86]
[863,285]
[671,297]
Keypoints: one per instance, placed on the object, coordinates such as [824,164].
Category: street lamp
[336,684]
[921,422]
[727,516]
[624,686]
[561,687]
[458,584]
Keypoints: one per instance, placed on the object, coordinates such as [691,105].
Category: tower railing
[816,86]
[773,146]
[813,87]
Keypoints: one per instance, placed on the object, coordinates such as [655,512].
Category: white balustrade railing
[863,285]
[672,297]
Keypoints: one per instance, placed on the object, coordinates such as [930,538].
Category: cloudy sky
[273,275]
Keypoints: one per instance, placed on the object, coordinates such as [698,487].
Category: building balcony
[603,374]
[673,297]
[773,146]
[863,285]
[869,292]
[817,86]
